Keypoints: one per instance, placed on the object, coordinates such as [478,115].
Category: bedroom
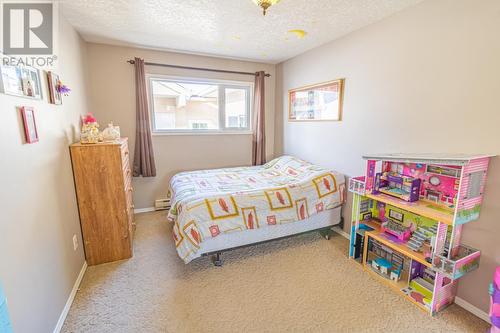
[411,77]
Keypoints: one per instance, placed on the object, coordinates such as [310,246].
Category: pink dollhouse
[415,205]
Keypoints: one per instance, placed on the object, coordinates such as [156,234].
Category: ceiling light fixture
[265,4]
[298,32]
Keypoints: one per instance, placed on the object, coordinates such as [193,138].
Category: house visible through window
[179,105]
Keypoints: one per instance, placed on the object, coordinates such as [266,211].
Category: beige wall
[112,96]
[38,266]
[426,79]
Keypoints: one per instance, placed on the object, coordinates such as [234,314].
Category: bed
[221,209]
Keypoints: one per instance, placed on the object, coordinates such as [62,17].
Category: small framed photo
[54,93]
[30,131]
[396,215]
[318,102]
[32,84]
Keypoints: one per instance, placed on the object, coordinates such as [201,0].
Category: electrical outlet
[75,242]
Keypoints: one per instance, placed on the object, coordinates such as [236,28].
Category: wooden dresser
[103,180]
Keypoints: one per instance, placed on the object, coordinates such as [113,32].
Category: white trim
[144,210]
[472,309]
[70,300]
[341,232]
[198,79]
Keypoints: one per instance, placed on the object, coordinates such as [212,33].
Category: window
[183,105]
[475,182]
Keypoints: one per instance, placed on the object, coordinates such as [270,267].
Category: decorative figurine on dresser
[407,219]
[103,182]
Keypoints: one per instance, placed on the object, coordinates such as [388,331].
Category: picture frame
[317,102]
[32,82]
[30,129]
[396,215]
[11,82]
[55,96]
[21,81]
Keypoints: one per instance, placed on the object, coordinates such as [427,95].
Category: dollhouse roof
[435,158]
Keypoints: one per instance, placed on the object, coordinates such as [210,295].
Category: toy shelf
[399,247]
[407,219]
[422,208]
[407,280]
[397,287]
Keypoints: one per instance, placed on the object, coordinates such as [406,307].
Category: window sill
[191,133]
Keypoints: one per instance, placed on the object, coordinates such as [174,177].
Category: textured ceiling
[228,28]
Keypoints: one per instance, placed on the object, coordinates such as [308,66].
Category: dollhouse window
[433,196]
[474,189]
[364,207]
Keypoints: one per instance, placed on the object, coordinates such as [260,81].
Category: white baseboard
[472,309]
[70,300]
[144,210]
[341,232]
[458,301]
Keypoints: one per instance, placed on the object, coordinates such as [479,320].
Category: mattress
[208,204]
[328,218]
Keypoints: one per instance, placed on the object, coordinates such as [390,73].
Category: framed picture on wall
[32,83]
[30,130]
[12,83]
[21,81]
[318,102]
[54,93]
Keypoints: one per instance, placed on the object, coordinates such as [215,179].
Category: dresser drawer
[125,152]
[127,174]
[131,223]
[129,197]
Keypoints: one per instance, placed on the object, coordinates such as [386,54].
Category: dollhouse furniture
[383,265]
[396,229]
[396,274]
[391,183]
[417,233]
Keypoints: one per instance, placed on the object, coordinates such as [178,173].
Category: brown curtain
[258,121]
[144,160]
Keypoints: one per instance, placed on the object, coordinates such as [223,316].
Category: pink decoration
[89,118]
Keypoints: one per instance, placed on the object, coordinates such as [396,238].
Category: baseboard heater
[162,204]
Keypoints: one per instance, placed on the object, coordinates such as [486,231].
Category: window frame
[222,85]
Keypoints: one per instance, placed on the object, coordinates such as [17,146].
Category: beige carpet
[302,284]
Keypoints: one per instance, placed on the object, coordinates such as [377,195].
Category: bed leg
[217,260]
[326,233]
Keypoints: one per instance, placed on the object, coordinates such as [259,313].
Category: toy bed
[222,209]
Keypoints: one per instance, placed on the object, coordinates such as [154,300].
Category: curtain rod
[196,68]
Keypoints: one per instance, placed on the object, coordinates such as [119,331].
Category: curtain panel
[144,160]
[258,121]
